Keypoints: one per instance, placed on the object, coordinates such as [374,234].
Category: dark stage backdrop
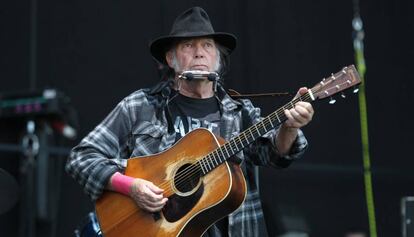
[97,53]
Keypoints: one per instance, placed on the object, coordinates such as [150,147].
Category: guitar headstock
[340,81]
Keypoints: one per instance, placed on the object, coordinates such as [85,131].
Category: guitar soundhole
[187,178]
[188,187]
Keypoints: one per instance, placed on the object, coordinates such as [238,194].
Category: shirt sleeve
[98,155]
[263,151]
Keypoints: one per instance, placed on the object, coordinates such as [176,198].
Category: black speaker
[407,213]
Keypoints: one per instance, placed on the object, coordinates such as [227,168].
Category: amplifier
[47,105]
[32,103]
[407,213]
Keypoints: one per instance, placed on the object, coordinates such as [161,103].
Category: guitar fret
[220,161]
[251,133]
[264,127]
[222,152]
[234,148]
[218,154]
[211,162]
[241,142]
[208,163]
[228,155]
[235,143]
[270,120]
[200,162]
[257,128]
[277,116]
[246,138]
[215,160]
[230,148]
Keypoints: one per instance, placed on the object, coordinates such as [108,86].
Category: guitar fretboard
[235,145]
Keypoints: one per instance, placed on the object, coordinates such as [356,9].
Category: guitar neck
[235,145]
[338,82]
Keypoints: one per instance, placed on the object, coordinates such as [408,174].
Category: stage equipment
[407,215]
[49,104]
[32,103]
[9,191]
[358,37]
[42,119]
[89,227]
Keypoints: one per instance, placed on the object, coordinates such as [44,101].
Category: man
[151,120]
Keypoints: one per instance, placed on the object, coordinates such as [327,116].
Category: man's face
[194,54]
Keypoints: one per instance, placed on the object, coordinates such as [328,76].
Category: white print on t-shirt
[182,124]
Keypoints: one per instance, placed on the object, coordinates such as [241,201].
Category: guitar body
[191,208]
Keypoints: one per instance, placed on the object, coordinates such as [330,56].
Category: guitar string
[190,172]
[193,170]
[183,175]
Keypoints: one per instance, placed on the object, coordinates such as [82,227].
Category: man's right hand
[147,196]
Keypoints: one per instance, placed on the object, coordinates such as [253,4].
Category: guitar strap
[236,95]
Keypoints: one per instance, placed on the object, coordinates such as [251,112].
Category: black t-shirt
[191,113]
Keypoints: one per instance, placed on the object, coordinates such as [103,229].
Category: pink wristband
[122,183]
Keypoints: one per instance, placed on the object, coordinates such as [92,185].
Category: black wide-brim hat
[192,23]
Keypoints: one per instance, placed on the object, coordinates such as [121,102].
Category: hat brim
[161,45]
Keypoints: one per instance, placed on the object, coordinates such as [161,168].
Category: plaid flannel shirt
[139,126]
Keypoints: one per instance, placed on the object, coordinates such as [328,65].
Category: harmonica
[199,75]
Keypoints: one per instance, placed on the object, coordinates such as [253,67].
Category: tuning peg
[343,95]
[332,101]
[356,89]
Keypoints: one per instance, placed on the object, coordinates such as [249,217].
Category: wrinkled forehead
[197,39]
[179,41]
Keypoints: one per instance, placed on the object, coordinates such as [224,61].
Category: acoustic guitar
[201,184]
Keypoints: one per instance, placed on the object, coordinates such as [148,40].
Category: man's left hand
[301,114]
